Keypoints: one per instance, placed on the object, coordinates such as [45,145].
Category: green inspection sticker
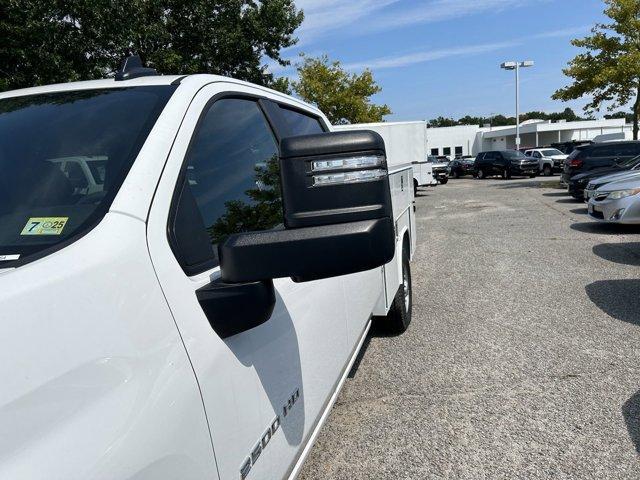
[44,226]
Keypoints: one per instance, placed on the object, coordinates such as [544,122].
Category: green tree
[442,122]
[609,70]
[628,116]
[262,212]
[343,97]
[48,41]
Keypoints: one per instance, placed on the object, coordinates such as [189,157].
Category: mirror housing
[337,213]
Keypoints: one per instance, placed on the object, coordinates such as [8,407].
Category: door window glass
[232,179]
[300,124]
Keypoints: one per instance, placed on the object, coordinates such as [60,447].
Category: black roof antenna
[131,67]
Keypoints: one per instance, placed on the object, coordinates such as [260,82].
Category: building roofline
[546,127]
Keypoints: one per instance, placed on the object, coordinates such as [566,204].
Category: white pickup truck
[550,160]
[406,142]
[196,316]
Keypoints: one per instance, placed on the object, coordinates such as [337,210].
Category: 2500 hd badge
[268,434]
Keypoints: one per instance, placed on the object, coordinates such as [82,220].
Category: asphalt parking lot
[522,358]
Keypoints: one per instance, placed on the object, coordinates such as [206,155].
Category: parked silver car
[617,202]
[596,183]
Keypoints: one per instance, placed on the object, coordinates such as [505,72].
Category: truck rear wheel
[444,181]
[399,317]
[480,173]
[547,171]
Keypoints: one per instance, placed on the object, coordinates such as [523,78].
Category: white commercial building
[471,139]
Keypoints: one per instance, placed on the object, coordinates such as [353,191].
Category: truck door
[265,388]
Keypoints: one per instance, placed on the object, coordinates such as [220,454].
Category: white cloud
[564,32]
[327,17]
[323,17]
[397,61]
[440,10]
[427,56]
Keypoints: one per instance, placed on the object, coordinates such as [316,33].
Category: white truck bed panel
[406,144]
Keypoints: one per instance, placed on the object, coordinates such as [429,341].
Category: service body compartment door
[263,389]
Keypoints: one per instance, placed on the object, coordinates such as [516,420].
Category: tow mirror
[337,213]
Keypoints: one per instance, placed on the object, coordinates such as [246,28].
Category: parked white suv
[551,160]
[196,316]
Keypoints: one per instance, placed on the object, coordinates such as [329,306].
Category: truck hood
[85,363]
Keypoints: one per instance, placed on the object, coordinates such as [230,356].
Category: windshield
[629,162]
[514,155]
[63,157]
[551,151]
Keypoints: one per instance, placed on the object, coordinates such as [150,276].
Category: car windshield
[514,155]
[551,151]
[63,157]
[630,162]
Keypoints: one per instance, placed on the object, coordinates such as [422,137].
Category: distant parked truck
[405,142]
[441,168]
[550,160]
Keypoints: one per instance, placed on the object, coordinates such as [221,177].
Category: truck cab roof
[192,82]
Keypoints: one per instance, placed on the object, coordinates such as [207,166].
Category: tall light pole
[516,66]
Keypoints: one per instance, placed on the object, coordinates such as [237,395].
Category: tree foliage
[343,97]
[262,212]
[609,69]
[49,41]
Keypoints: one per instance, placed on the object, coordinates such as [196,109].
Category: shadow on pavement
[377,330]
[579,211]
[631,414]
[569,200]
[624,253]
[562,193]
[604,228]
[360,356]
[544,184]
[619,299]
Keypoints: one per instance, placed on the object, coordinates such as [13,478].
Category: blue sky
[441,57]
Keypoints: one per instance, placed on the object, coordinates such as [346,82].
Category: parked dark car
[579,182]
[568,147]
[462,166]
[598,155]
[505,163]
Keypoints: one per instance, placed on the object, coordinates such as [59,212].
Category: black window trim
[270,110]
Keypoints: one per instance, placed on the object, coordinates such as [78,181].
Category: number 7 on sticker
[44,226]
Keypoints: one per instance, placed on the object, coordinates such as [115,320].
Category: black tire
[480,173]
[533,175]
[444,181]
[415,187]
[547,171]
[456,174]
[399,317]
[506,174]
